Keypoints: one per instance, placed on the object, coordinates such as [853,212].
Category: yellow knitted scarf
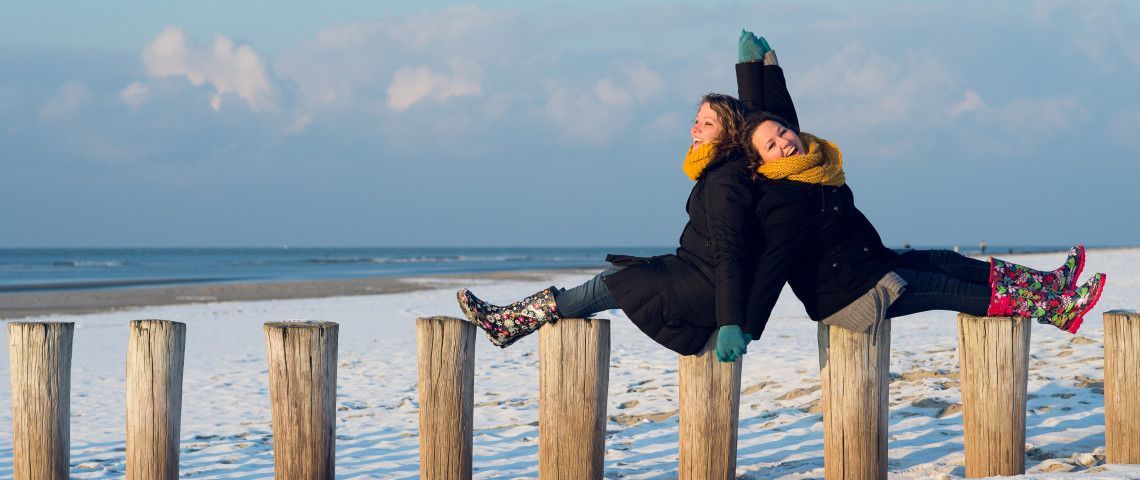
[822,164]
[697,159]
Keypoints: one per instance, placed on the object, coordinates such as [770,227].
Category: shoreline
[25,304]
[15,306]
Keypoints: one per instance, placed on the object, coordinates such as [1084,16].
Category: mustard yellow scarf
[697,159]
[822,164]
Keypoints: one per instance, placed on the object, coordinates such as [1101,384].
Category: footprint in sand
[626,420]
[797,393]
[758,387]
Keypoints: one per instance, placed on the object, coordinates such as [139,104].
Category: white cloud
[66,102]
[595,116]
[858,88]
[344,64]
[1037,117]
[226,67]
[972,101]
[448,26]
[412,84]
[1096,29]
[135,94]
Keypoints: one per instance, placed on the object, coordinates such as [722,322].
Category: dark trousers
[942,280]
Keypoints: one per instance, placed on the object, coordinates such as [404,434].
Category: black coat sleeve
[762,88]
[729,204]
[786,219]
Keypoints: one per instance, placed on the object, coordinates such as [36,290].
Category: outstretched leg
[505,325]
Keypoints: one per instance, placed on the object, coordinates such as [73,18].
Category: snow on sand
[226,428]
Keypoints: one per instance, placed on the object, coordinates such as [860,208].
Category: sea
[62,269]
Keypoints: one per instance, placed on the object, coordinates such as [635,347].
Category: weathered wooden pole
[446,350]
[1122,386]
[993,353]
[854,370]
[302,389]
[39,356]
[710,408]
[573,384]
[155,354]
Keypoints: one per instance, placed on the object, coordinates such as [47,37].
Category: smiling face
[773,141]
[707,127]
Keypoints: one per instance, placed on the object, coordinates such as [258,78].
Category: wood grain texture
[709,410]
[574,375]
[1122,386]
[854,371]
[446,350]
[302,390]
[39,356]
[155,357]
[993,354]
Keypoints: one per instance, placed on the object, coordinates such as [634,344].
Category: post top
[156,320]
[440,318]
[966,316]
[46,324]
[303,324]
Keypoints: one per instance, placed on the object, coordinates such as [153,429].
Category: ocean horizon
[60,269]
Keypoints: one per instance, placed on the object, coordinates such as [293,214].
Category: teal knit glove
[752,49]
[731,343]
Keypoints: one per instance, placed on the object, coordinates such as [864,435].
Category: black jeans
[948,262]
[931,290]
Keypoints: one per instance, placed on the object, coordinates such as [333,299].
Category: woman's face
[706,126]
[774,141]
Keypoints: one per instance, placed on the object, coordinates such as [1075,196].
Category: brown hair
[743,141]
[730,112]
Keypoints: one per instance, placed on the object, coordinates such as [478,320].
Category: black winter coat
[818,242]
[680,300]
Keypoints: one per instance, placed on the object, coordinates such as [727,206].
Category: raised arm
[760,81]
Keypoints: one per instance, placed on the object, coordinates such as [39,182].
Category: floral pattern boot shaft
[505,325]
[1062,309]
[1061,279]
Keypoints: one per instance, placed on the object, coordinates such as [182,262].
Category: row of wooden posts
[573,382]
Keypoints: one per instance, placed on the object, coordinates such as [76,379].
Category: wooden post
[446,350]
[39,356]
[302,389]
[993,353]
[155,353]
[1122,386]
[710,408]
[573,378]
[854,370]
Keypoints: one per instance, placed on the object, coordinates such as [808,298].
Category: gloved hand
[731,343]
[752,49]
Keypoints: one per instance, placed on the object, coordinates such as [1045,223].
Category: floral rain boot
[1062,309]
[506,325]
[1061,279]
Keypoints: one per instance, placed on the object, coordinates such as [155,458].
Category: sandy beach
[226,423]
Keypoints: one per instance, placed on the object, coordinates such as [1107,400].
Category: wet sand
[29,304]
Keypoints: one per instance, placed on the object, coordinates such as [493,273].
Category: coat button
[835,265]
[865,249]
[836,208]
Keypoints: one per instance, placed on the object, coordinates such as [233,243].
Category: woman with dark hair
[835,262]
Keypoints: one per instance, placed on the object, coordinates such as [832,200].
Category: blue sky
[262,123]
